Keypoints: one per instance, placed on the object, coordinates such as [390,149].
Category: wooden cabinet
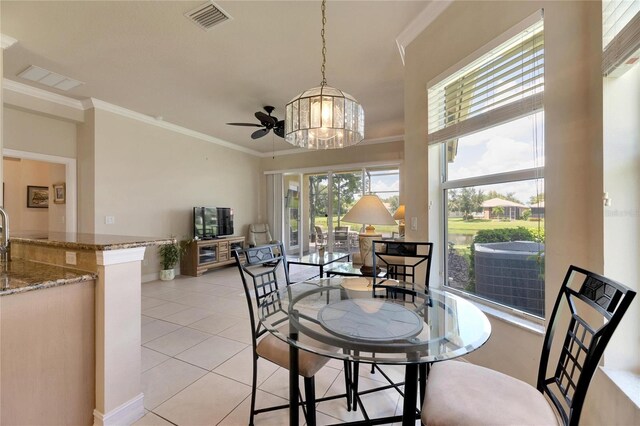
[203,255]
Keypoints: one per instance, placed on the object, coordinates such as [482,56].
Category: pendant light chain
[324,47]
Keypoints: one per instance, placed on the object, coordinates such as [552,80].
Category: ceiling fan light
[324,118]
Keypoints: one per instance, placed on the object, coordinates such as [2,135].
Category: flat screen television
[212,222]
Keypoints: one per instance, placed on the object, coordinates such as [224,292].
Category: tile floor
[196,359]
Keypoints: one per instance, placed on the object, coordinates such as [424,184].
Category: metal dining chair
[402,260]
[262,269]
[461,393]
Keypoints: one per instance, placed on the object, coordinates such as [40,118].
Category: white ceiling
[147,57]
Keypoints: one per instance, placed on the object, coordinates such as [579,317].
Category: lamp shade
[324,118]
[369,210]
[399,214]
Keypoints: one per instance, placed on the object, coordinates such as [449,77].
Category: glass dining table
[342,318]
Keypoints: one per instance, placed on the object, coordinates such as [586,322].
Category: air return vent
[207,16]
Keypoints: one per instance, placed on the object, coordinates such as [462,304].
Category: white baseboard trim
[126,414]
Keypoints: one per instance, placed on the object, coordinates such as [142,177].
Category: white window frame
[491,179]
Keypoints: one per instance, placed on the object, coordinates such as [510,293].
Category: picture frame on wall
[59,193]
[37,197]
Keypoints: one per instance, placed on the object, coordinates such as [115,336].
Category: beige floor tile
[151,302]
[240,331]
[151,358]
[151,419]
[188,316]
[216,323]
[377,404]
[200,300]
[145,320]
[156,328]
[177,341]
[153,290]
[218,290]
[278,382]
[164,310]
[165,380]
[239,367]
[211,352]
[233,306]
[172,295]
[240,415]
[205,402]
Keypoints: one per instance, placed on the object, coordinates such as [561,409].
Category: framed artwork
[59,193]
[38,197]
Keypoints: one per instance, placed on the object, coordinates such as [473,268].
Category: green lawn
[461,227]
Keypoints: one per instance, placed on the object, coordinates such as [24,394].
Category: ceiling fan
[267,122]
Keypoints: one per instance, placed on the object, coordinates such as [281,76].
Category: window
[487,118]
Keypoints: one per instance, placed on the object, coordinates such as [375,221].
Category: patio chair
[341,237]
[463,393]
[321,236]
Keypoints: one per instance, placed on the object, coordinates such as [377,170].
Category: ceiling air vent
[207,16]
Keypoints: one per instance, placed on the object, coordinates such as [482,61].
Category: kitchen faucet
[4,247]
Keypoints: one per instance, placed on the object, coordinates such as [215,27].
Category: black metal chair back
[401,259]
[587,295]
[264,267]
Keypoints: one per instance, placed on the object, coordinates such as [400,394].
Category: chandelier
[324,117]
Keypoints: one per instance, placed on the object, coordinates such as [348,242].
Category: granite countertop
[18,276]
[87,241]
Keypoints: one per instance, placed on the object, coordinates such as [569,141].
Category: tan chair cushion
[277,351]
[460,393]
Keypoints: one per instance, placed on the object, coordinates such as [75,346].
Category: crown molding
[420,23]
[6,41]
[89,103]
[45,95]
[105,106]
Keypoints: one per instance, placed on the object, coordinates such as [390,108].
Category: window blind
[620,35]
[500,86]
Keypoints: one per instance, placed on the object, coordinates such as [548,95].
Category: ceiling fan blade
[259,133]
[245,124]
[279,128]
[265,119]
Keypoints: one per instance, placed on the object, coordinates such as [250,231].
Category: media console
[203,255]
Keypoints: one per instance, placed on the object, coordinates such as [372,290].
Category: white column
[119,398]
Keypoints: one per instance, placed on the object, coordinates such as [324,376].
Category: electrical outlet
[109,220]
[70,258]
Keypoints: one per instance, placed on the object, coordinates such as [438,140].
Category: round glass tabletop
[340,317]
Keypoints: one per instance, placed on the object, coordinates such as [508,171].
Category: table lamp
[370,211]
[399,216]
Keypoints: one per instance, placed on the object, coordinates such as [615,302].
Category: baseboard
[126,414]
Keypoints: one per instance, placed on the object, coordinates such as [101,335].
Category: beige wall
[27,131]
[149,178]
[18,174]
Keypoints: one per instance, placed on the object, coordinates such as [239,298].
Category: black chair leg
[422,374]
[310,399]
[253,389]
[356,369]
[347,382]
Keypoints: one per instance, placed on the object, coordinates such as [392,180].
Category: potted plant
[169,256]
